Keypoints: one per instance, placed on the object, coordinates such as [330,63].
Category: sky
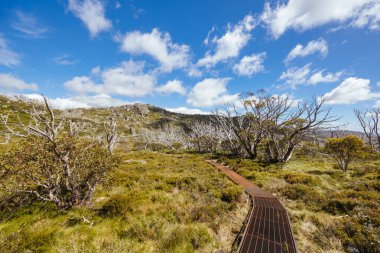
[191,56]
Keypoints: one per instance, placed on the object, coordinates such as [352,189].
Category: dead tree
[169,136]
[369,121]
[111,135]
[206,137]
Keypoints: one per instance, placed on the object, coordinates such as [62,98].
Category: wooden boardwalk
[268,228]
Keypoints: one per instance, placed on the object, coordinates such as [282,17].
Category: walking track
[268,228]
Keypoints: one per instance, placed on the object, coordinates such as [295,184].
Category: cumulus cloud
[250,65]
[185,110]
[157,45]
[173,86]
[100,100]
[127,79]
[83,85]
[7,56]
[28,25]
[92,14]
[302,15]
[211,92]
[9,82]
[351,91]
[306,76]
[229,45]
[296,76]
[319,77]
[314,46]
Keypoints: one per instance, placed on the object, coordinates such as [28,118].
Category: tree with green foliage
[344,150]
[277,123]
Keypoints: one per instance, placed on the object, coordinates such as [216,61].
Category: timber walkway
[268,228]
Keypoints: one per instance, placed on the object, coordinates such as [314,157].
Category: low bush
[303,193]
[340,206]
[231,194]
[300,178]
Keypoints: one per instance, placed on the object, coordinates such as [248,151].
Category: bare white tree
[369,121]
[207,137]
[111,135]
[167,135]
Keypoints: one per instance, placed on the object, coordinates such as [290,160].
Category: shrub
[116,205]
[339,206]
[299,178]
[344,150]
[301,192]
[231,194]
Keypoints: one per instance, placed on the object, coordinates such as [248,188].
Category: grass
[331,211]
[154,202]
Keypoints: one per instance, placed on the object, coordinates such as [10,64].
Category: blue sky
[191,56]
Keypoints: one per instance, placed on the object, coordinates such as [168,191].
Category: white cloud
[368,16]
[159,46]
[64,60]
[28,25]
[193,71]
[127,79]
[351,91]
[185,110]
[211,92]
[7,56]
[229,45]
[10,82]
[96,71]
[319,77]
[92,13]
[302,15]
[312,47]
[206,41]
[250,65]
[173,86]
[100,100]
[296,76]
[305,76]
[83,85]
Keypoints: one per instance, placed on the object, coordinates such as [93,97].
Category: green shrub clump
[231,194]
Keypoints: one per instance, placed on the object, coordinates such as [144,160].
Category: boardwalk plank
[268,229]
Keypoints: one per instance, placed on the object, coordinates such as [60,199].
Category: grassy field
[331,211]
[154,202]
